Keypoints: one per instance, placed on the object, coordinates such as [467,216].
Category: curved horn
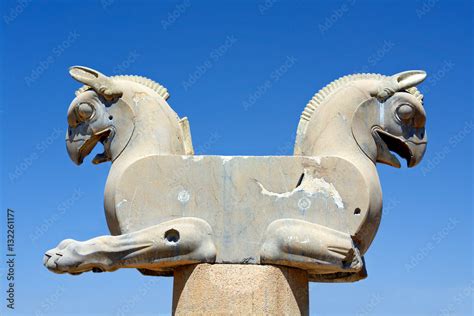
[410,78]
[101,84]
[398,82]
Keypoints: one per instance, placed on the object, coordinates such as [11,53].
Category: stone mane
[155,86]
[329,89]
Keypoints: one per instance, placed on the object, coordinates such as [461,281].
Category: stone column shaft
[224,289]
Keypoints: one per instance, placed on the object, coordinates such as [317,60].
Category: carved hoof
[309,246]
[354,260]
[71,256]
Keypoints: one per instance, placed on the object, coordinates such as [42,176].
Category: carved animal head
[384,114]
[398,120]
[120,112]
[95,115]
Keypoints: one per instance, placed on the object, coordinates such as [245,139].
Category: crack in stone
[310,186]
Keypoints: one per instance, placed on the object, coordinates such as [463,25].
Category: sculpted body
[318,210]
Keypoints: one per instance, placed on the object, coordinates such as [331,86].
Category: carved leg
[312,247]
[166,245]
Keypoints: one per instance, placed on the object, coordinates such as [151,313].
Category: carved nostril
[172,235]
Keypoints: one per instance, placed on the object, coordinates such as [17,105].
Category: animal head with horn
[115,110]
[365,119]
[166,220]
[383,114]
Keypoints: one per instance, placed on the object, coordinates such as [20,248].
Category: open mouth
[397,145]
[89,145]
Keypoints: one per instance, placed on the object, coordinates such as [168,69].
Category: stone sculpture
[318,210]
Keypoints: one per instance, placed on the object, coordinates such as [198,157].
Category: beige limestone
[230,289]
[318,210]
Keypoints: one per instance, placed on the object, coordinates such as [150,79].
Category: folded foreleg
[309,246]
[166,245]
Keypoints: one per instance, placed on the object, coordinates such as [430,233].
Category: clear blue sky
[215,59]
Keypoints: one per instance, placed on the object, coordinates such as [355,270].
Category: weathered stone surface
[249,194]
[318,210]
[229,289]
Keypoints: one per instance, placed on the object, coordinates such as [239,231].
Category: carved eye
[405,112]
[85,111]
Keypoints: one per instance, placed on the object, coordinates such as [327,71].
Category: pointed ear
[84,75]
[409,79]
[101,84]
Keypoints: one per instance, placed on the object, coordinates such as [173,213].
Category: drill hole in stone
[172,235]
[357,211]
